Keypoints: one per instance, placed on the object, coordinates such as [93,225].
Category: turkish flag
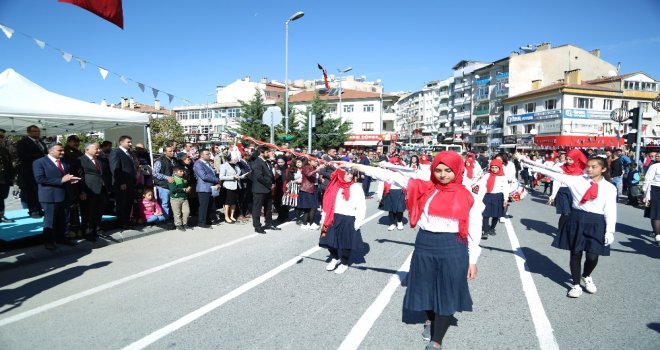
[110,10]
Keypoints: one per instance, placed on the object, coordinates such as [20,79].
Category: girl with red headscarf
[561,196]
[447,244]
[472,168]
[591,223]
[496,184]
[344,209]
[393,199]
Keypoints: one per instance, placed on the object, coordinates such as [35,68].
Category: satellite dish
[611,73]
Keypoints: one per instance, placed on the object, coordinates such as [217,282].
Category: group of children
[152,212]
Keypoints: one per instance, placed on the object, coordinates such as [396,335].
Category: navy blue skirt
[582,232]
[438,275]
[394,201]
[653,211]
[308,200]
[494,203]
[342,234]
[563,201]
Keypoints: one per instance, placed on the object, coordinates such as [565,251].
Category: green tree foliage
[164,129]
[331,132]
[251,118]
[297,129]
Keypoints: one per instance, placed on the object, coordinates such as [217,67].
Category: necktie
[96,164]
[59,166]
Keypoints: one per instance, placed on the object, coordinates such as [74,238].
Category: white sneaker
[391,228]
[399,226]
[341,269]
[332,265]
[657,238]
[305,227]
[575,292]
[589,285]
[502,219]
[314,226]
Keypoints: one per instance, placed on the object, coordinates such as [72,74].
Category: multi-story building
[370,113]
[577,113]
[462,100]
[491,86]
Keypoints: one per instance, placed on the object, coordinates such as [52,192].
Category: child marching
[496,184]
[561,196]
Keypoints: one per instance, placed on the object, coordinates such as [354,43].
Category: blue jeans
[618,182]
[156,218]
[164,199]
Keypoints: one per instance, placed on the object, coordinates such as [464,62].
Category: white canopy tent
[24,103]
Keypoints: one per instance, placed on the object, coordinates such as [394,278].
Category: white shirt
[54,160]
[434,223]
[356,206]
[501,184]
[604,203]
[651,178]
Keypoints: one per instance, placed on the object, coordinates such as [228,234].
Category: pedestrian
[561,196]
[96,183]
[263,184]
[344,208]
[547,181]
[449,218]
[152,212]
[230,175]
[495,202]
[616,171]
[308,200]
[652,196]
[393,200]
[590,225]
[124,173]
[366,180]
[206,179]
[281,174]
[472,169]
[163,177]
[52,176]
[7,175]
[179,189]
[29,149]
[631,183]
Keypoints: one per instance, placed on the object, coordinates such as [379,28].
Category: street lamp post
[295,16]
[619,115]
[339,92]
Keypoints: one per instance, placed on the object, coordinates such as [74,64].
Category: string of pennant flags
[82,62]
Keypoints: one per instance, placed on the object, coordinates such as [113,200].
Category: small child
[150,209]
[179,190]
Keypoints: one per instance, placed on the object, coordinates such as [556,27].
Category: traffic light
[634,118]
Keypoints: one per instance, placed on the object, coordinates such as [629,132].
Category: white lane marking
[192,316]
[364,324]
[115,283]
[544,331]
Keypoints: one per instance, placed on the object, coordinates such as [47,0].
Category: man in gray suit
[263,183]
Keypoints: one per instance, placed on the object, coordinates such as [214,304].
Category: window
[348,108]
[607,104]
[514,110]
[643,107]
[530,107]
[193,114]
[206,114]
[580,102]
[528,128]
[183,115]
[332,109]
[514,129]
[368,108]
[368,126]
[624,105]
[233,113]
[550,104]
[206,129]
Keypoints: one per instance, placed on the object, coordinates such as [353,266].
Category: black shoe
[35,215]
[260,230]
[6,220]
[492,232]
[204,225]
[484,235]
[91,237]
[181,228]
[69,242]
[273,228]
[189,227]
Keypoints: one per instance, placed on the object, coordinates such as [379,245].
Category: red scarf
[424,159]
[591,193]
[579,163]
[469,165]
[491,176]
[452,201]
[337,182]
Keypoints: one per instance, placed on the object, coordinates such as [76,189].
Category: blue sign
[533,117]
[586,114]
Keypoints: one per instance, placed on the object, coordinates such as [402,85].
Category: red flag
[325,76]
[109,10]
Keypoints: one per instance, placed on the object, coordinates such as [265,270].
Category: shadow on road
[640,247]
[385,240]
[540,264]
[654,326]
[539,226]
[14,298]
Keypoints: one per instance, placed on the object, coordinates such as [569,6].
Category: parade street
[229,288]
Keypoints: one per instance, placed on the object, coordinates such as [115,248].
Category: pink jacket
[148,208]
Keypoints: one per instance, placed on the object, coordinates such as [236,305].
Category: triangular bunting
[82,63]
[104,73]
[39,43]
[171,97]
[67,56]
[8,31]
[155,91]
[141,86]
[123,78]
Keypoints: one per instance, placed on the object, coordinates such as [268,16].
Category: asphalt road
[227,288]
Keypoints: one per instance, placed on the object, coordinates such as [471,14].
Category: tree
[331,132]
[297,130]
[164,129]
[251,118]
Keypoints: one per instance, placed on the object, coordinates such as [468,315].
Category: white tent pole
[151,154]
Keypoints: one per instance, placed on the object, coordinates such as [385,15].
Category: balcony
[462,115]
[481,112]
[481,97]
[444,94]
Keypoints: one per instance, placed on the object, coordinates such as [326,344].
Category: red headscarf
[337,182]
[469,164]
[424,159]
[579,163]
[453,200]
[491,177]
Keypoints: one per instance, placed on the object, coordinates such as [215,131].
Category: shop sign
[364,137]
[533,117]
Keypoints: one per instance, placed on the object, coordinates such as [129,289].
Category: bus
[449,147]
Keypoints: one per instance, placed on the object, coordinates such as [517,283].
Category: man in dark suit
[29,149]
[51,175]
[95,187]
[124,175]
[263,182]
[7,175]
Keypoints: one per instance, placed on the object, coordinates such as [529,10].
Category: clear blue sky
[188,47]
